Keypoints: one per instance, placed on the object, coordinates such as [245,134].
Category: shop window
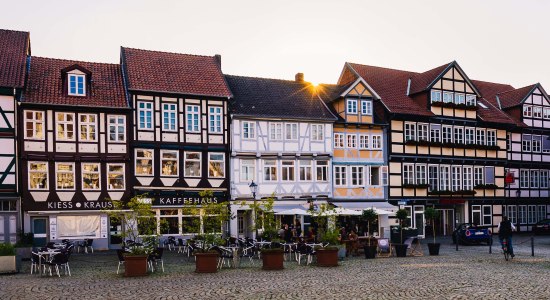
[216,165]
[144,162]
[38,175]
[169,162]
[91,176]
[115,176]
[64,176]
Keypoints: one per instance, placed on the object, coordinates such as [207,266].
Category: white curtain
[78,226]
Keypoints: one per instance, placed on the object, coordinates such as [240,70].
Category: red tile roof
[14,46]
[174,73]
[490,89]
[514,97]
[421,82]
[46,84]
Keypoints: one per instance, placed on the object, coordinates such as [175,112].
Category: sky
[505,41]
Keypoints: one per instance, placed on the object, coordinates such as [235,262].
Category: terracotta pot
[327,257]
[273,259]
[433,248]
[206,262]
[135,265]
[400,250]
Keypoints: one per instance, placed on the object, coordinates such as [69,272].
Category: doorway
[40,231]
[445,222]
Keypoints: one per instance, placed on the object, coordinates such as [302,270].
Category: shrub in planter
[369,215]
[401,249]
[432,214]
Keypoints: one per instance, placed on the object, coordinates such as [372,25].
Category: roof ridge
[269,78]
[11,30]
[386,68]
[167,52]
[75,61]
[513,90]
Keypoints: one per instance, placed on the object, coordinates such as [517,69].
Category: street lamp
[254,189]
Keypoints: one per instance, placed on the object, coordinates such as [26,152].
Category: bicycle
[505,248]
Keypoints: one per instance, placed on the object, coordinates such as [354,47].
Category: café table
[44,255]
[235,252]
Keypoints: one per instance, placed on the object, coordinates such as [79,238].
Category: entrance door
[243,229]
[40,230]
[419,219]
[445,222]
[115,229]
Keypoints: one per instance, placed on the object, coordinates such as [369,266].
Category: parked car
[542,227]
[469,233]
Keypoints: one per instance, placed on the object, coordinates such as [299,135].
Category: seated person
[310,235]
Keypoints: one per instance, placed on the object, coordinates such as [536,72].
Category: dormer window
[351,106]
[77,84]
[471,100]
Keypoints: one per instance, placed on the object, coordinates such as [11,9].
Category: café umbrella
[294,211]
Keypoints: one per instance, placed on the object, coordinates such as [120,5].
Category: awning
[381,208]
[283,207]
[294,211]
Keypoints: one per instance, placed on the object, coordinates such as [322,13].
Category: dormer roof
[14,48]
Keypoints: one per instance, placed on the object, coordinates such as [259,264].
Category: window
[317,132]
[363,141]
[410,132]
[423,132]
[77,86]
[420,174]
[459,99]
[291,131]
[287,170]
[169,163]
[91,176]
[117,128]
[543,179]
[480,135]
[276,131]
[65,126]
[435,133]
[408,174]
[144,162]
[467,181]
[471,100]
[34,125]
[537,112]
[338,140]
[340,175]
[215,117]
[249,130]
[270,170]
[478,176]
[248,170]
[535,177]
[524,178]
[444,181]
[321,170]
[456,178]
[489,175]
[38,175]
[357,176]
[481,214]
[536,145]
[532,214]
[377,142]
[491,138]
[433,177]
[447,134]
[351,106]
[526,143]
[447,97]
[64,176]
[169,219]
[436,96]
[383,174]
[366,107]
[541,212]
[352,140]
[459,135]
[547,113]
[169,111]
[192,161]
[527,111]
[522,214]
[487,215]
[305,170]
[469,136]
[145,115]
[115,176]
[87,127]
[511,212]
[192,118]
[216,165]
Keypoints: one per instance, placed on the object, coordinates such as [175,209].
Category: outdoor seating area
[54,256]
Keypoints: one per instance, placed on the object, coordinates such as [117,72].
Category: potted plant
[8,262]
[326,256]
[432,214]
[138,220]
[369,215]
[401,249]
[23,247]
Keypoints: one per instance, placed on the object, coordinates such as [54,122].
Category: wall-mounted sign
[68,205]
[103,227]
[53,228]
[186,199]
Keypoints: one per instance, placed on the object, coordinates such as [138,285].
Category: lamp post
[254,189]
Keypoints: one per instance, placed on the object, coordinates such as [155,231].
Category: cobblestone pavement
[470,273]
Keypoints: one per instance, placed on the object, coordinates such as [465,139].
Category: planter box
[273,259]
[370,252]
[8,264]
[206,262]
[24,252]
[327,257]
[135,265]
[433,248]
[401,250]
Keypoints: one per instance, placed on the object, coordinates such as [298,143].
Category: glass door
[40,230]
[419,219]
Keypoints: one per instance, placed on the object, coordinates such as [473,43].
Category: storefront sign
[70,205]
[452,201]
[53,228]
[188,199]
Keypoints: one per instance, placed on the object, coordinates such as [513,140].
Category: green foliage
[7,249]
[401,215]
[370,216]
[331,236]
[214,217]
[264,217]
[26,239]
[431,214]
[325,217]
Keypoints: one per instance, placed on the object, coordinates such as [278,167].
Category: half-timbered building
[14,49]
[447,144]
[528,145]
[74,138]
[180,132]
[281,139]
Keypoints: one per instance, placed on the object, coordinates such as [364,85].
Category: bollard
[532,246]
[456,243]
[491,245]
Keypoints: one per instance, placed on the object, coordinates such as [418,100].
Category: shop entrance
[445,222]
[40,231]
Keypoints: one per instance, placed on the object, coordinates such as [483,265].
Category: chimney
[299,77]
[218,59]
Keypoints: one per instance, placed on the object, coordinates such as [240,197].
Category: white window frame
[458,134]
[117,125]
[57,173]
[216,160]
[481,136]
[339,140]
[534,179]
[276,131]
[321,169]
[249,130]
[269,165]
[460,98]
[536,144]
[307,167]
[546,113]
[423,132]
[433,177]
[467,179]
[291,131]
[88,126]
[35,121]
[317,132]
[522,214]
[408,174]
[64,125]
[420,174]
[491,137]
[444,178]
[537,112]
[357,176]
[526,144]
[376,142]
[448,97]
[470,100]
[145,122]
[169,159]
[288,170]
[351,141]
[169,117]
[524,178]
[215,119]
[193,160]
[152,159]
[456,178]
[351,106]
[123,173]
[78,90]
[435,96]
[366,107]
[479,175]
[410,131]
[528,111]
[84,172]
[364,141]
[192,118]
[248,170]
[340,175]
[435,133]
[30,172]
[470,136]
[532,214]
[447,134]
[543,179]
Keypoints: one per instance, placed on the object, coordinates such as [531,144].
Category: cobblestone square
[470,273]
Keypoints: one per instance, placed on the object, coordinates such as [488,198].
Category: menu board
[103,227]
[53,228]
